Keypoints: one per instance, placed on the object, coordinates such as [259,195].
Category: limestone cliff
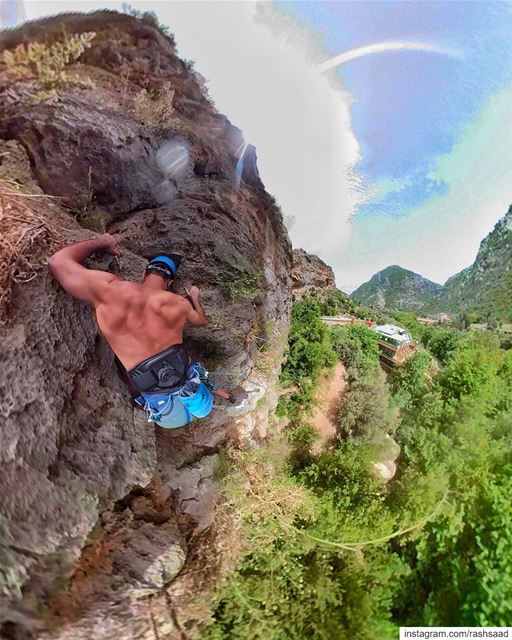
[310,274]
[97,508]
[485,287]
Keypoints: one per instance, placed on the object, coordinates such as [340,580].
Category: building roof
[395,333]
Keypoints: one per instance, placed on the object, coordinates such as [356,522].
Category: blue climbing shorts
[172,410]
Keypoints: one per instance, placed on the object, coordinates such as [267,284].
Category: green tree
[365,412]
[355,343]
[409,380]
[309,344]
[471,367]
[410,322]
[440,341]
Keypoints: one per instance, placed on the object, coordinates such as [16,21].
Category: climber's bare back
[137,320]
[138,323]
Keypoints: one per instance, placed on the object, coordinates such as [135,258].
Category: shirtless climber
[143,323]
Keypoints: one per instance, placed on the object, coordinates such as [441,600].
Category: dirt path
[331,387]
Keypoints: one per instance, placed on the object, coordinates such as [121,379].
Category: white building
[395,344]
[393,334]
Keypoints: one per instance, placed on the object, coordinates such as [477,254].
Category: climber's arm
[82,283]
[196,315]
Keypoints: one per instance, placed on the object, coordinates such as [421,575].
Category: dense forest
[326,550]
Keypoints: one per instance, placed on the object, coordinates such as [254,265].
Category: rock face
[485,287]
[97,507]
[310,274]
[396,289]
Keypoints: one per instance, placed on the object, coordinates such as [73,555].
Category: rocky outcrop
[310,274]
[484,288]
[389,451]
[97,508]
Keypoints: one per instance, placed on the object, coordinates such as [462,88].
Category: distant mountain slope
[397,288]
[486,286]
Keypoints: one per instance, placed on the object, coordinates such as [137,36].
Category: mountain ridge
[485,287]
[396,288]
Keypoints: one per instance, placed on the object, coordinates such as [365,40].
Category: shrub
[299,404]
[410,322]
[355,344]
[26,235]
[155,108]
[408,380]
[241,285]
[86,211]
[151,18]
[440,341]
[91,219]
[432,547]
[471,367]
[47,63]
[335,302]
[287,586]
[303,436]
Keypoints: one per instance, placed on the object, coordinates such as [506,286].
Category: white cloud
[261,72]
[261,75]
[442,237]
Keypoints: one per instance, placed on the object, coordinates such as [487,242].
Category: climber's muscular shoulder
[172,307]
[122,296]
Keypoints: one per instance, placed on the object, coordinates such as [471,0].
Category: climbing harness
[177,408]
[173,391]
[165,371]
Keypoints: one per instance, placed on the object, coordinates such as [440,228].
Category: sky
[396,152]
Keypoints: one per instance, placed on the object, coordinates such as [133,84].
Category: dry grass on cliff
[26,237]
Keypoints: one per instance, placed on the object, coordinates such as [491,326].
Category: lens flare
[173,158]
[240,164]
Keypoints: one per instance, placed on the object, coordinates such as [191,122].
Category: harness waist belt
[165,371]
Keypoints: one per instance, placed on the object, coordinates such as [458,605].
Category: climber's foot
[222,394]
